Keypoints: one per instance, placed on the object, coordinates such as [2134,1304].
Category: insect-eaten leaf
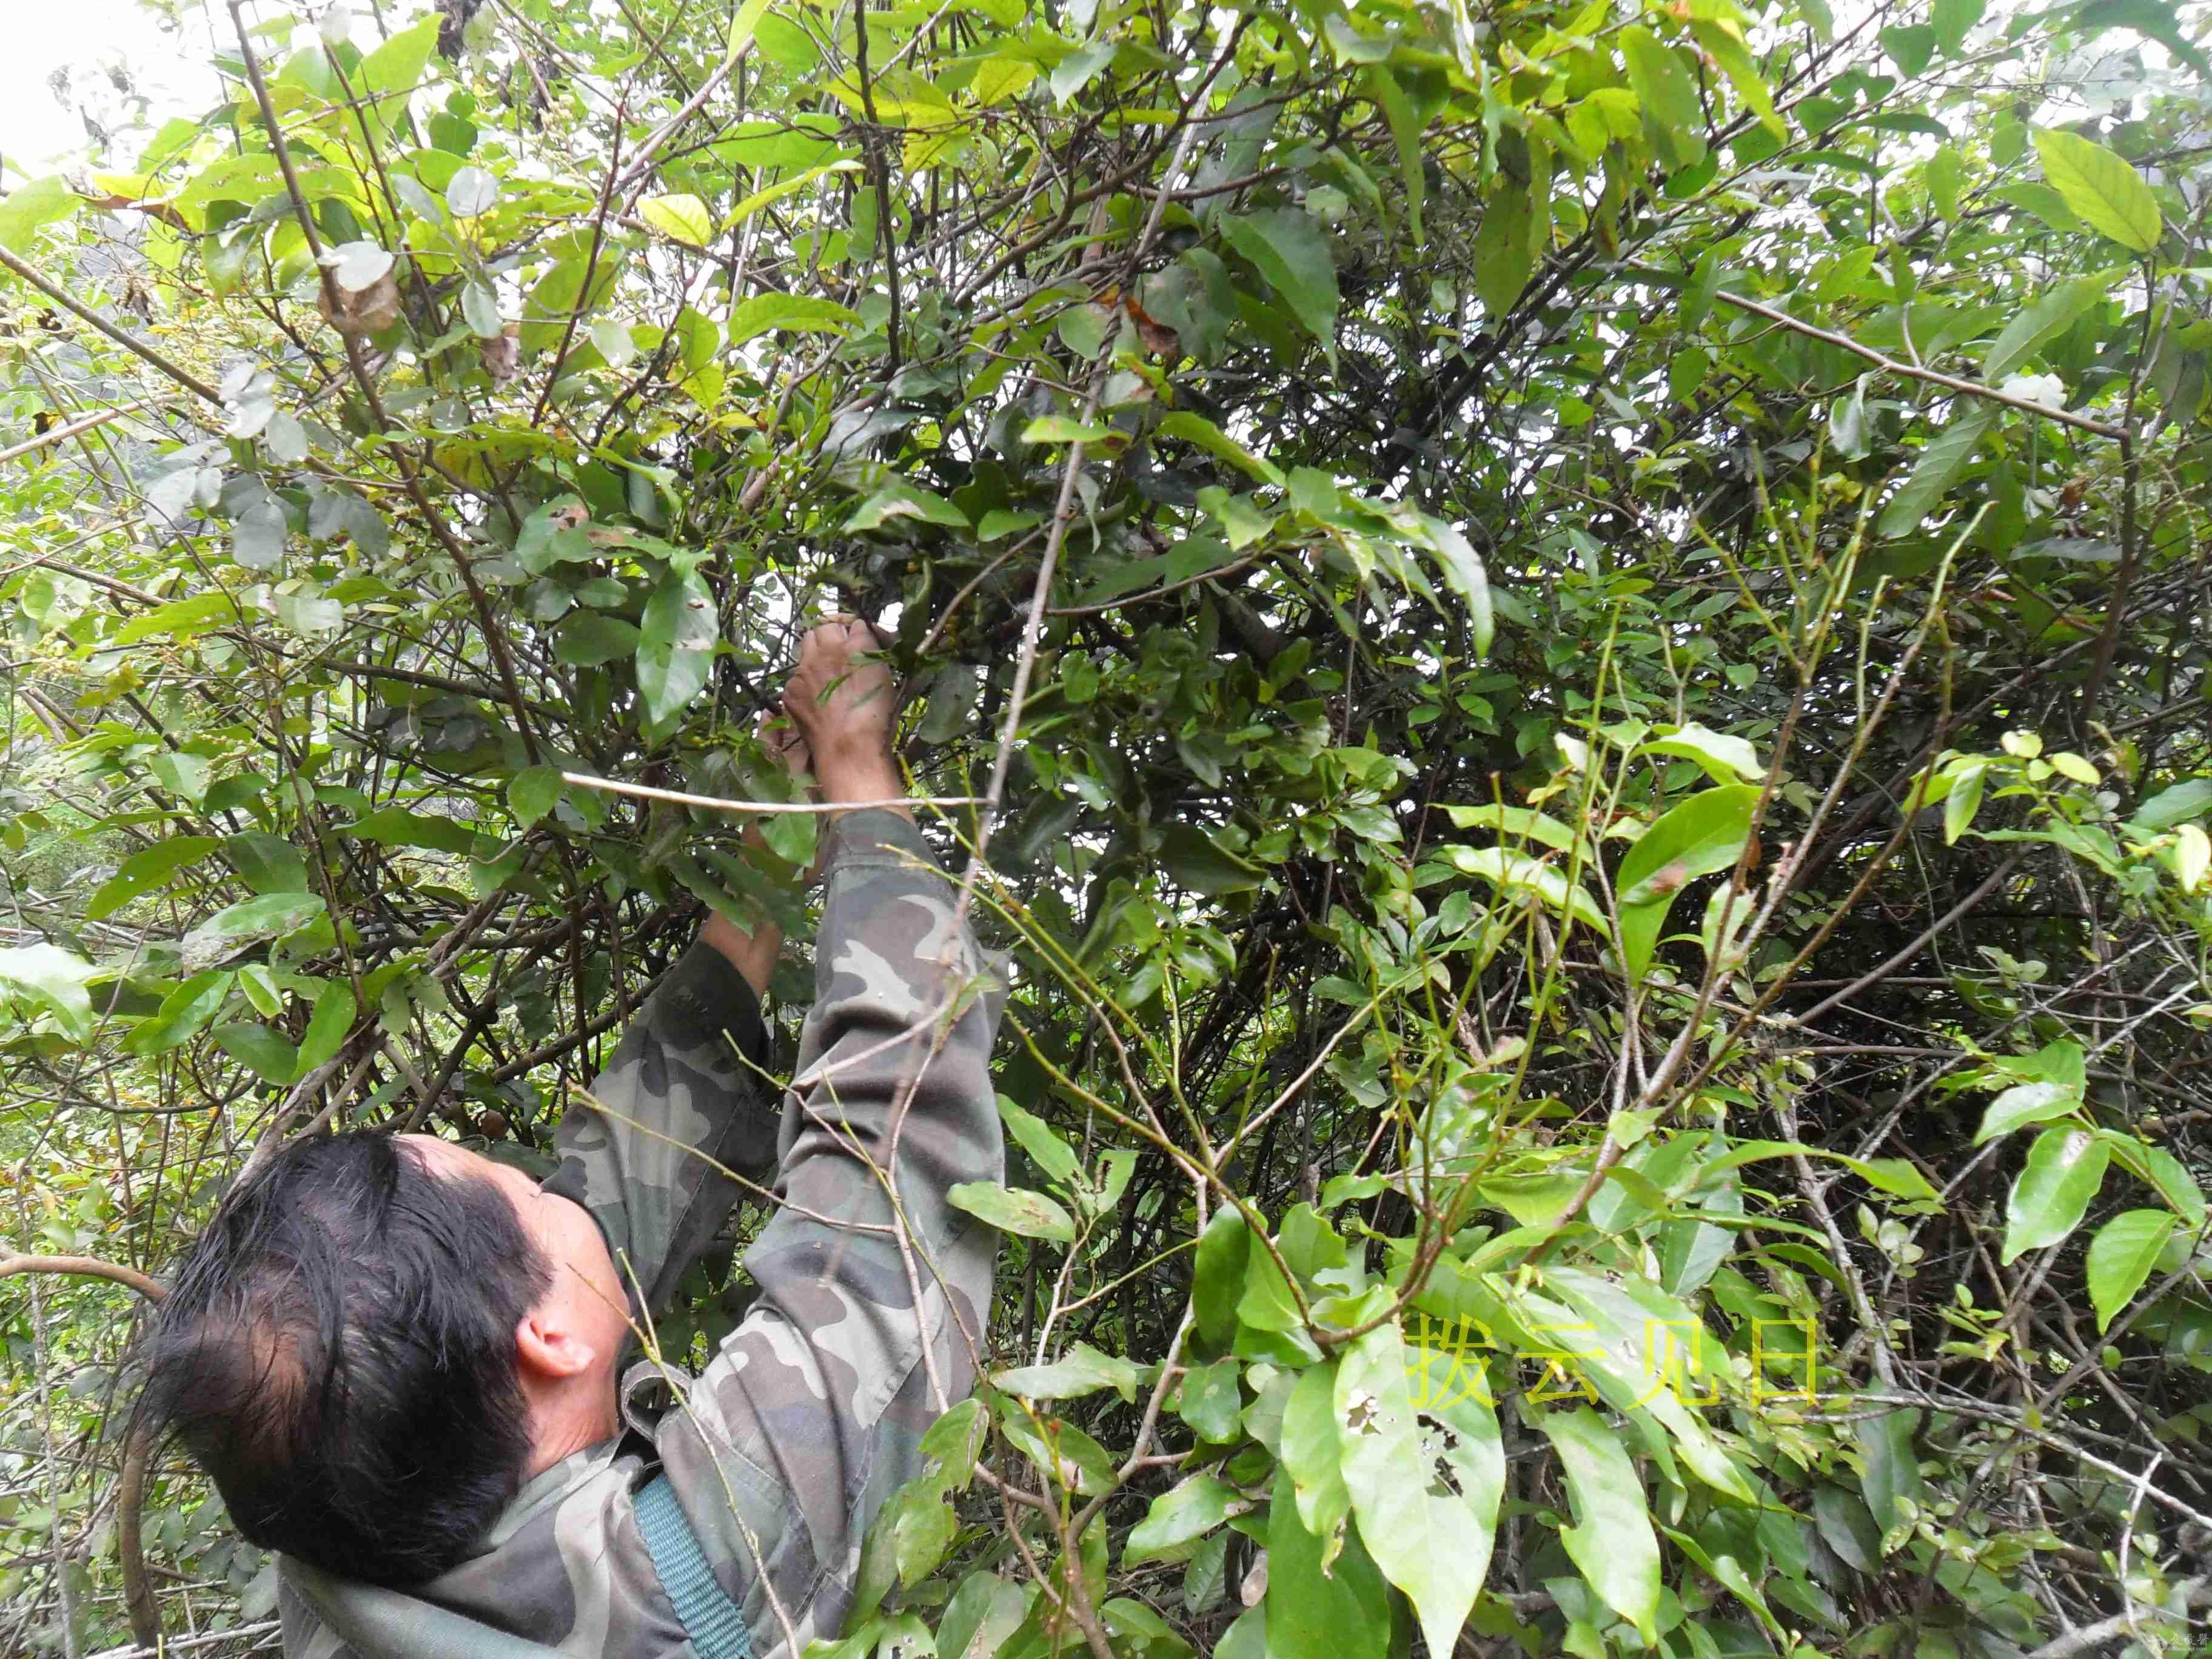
[1014,1210]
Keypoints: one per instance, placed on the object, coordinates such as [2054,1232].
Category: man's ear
[548,1347]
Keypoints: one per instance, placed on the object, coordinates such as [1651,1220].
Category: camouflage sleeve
[811,1414]
[685,1079]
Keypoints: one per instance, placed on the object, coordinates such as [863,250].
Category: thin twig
[648,792]
[87,1267]
[1911,371]
[137,347]
[76,428]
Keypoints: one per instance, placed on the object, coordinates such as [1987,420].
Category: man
[401,1362]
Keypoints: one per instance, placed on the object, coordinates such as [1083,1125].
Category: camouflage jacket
[784,1447]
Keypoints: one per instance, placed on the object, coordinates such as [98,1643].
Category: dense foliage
[1567,643]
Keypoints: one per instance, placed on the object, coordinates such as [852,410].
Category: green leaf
[180,618]
[1505,249]
[682,218]
[614,342]
[2177,805]
[1072,1457]
[2044,202]
[793,313]
[1287,247]
[1726,759]
[1644,1347]
[1965,799]
[1514,823]
[1894,1175]
[1404,132]
[1245,1637]
[1893,1472]
[1318,1608]
[900,500]
[922,1534]
[1082,1369]
[181,1017]
[1183,1512]
[1464,572]
[1209,1399]
[983,1613]
[2162,1172]
[953,1442]
[1014,1210]
[552,536]
[397,66]
[1001,78]
[396,826]
[792,836]
[1847,1528]
[588,638]
[2025,1104]
[2064,1167]
[1079,69]
[1702,836]
[1267,1303]
[470,191]
[1197,861]
[533,793]
[1431,1543]
[2054,311]
[335,1008]
[1910,46]
[1725,47]
[1951,19]
[2104,191]
[266,863]
[1612,1542]
[1941,462]
[1218,1281]
[1847,422]
[676,645]
[1511,872]
[249,922]
[742,29]
[147,868]
[1313,1452]
[309,613]
[1204,1580]
[359,265]
[28,209]
[1045,1149]
[1066,430]
[2160,20]
[54,979]
[783,187]
[1240,517]
[2121,1257]
[1192,429]
[1674,118]
[268,1054]
[480,307]
[1704,282]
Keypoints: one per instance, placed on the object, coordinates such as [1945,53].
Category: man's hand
[839,697]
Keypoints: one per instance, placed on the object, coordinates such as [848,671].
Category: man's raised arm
[812,1412]
[686,1080]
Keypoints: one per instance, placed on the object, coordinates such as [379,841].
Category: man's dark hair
[337,1353]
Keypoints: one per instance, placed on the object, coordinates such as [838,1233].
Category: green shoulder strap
[715,1623]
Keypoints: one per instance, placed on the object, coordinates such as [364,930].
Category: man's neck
[577,1416]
